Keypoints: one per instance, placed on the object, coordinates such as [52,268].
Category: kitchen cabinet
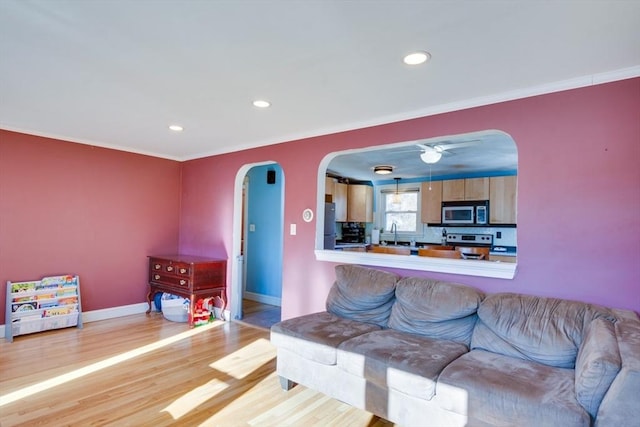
[502,199]
[360,203]
[452,190]
[476,189]
[340,195]
[431,202]
[329,188]
[465,189]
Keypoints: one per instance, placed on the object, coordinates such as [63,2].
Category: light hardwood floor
[146,371]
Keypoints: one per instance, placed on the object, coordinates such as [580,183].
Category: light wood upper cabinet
[431,202]
[360,203]
[340,199]
[329,186]
[453,190]
[476,189]
[503,199]
[465,189]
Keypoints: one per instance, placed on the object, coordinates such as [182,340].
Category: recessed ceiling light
[383,169]
[261,103]
[176,128]
[417,58]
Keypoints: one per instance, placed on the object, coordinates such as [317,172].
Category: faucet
[394,230]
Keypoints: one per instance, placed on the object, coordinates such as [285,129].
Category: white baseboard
[264,299]
[113,312]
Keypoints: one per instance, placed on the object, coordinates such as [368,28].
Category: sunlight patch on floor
[195,398]
[238,365]
[308,401]
[254,397]
[103,364]
[244,361]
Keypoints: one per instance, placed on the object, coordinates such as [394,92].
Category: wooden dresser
[188,276]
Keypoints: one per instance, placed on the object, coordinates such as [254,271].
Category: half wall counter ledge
[468,267]
[189,276]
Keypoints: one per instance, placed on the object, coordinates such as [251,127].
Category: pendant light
[396,196]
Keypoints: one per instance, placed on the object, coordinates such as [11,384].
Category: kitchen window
[401,207]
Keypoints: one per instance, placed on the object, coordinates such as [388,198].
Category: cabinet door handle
[157,277]
[157,266]
[183,270]
[169,268]
[183,282]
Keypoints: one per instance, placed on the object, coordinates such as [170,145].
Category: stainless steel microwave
[465,213]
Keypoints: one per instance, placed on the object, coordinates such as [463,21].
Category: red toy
[203,312]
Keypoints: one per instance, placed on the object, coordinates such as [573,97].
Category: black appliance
[352,232]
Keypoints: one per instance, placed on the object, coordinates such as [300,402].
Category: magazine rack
[35,306]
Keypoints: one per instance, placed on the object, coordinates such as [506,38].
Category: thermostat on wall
[307,215]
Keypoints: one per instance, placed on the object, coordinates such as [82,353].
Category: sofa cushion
[407,363]
[362,294]
[502,390]
[435,309]
[316,336]
[620,403]
[597,364]
[545,330]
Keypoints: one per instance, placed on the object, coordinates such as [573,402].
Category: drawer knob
[183,282]
[157,277]
[183,270]
[169,268]
[157,266]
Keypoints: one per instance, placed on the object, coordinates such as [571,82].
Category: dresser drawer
[166,279]
[163,266]
[182,269]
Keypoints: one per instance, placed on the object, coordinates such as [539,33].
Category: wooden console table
[188,276]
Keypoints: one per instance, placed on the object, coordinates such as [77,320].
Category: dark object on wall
[271,177]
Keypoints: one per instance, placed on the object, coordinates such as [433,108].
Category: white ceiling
[117,73]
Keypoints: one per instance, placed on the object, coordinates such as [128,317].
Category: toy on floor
[203,312]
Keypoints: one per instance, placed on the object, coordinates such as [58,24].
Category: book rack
[39,305]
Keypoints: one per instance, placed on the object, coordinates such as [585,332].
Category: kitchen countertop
[351,245]
[495,249]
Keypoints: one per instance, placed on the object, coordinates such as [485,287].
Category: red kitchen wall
[578,196]
[68,208]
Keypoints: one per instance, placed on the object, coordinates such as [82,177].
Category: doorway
[258,244]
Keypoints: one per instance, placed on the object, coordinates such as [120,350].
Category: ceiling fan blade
[429,148]
[458,144]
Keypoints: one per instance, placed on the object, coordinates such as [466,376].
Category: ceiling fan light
[431,156]
[383,170]
[417,58]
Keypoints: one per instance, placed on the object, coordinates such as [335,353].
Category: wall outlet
[293,229]
[252,227]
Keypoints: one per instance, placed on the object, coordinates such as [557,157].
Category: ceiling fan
[432,153]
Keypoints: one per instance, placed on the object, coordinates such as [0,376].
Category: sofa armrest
[620,405]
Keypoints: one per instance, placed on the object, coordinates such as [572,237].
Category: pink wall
[578,206]
[71,208]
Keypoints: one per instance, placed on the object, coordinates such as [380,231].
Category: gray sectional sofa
[421,352]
